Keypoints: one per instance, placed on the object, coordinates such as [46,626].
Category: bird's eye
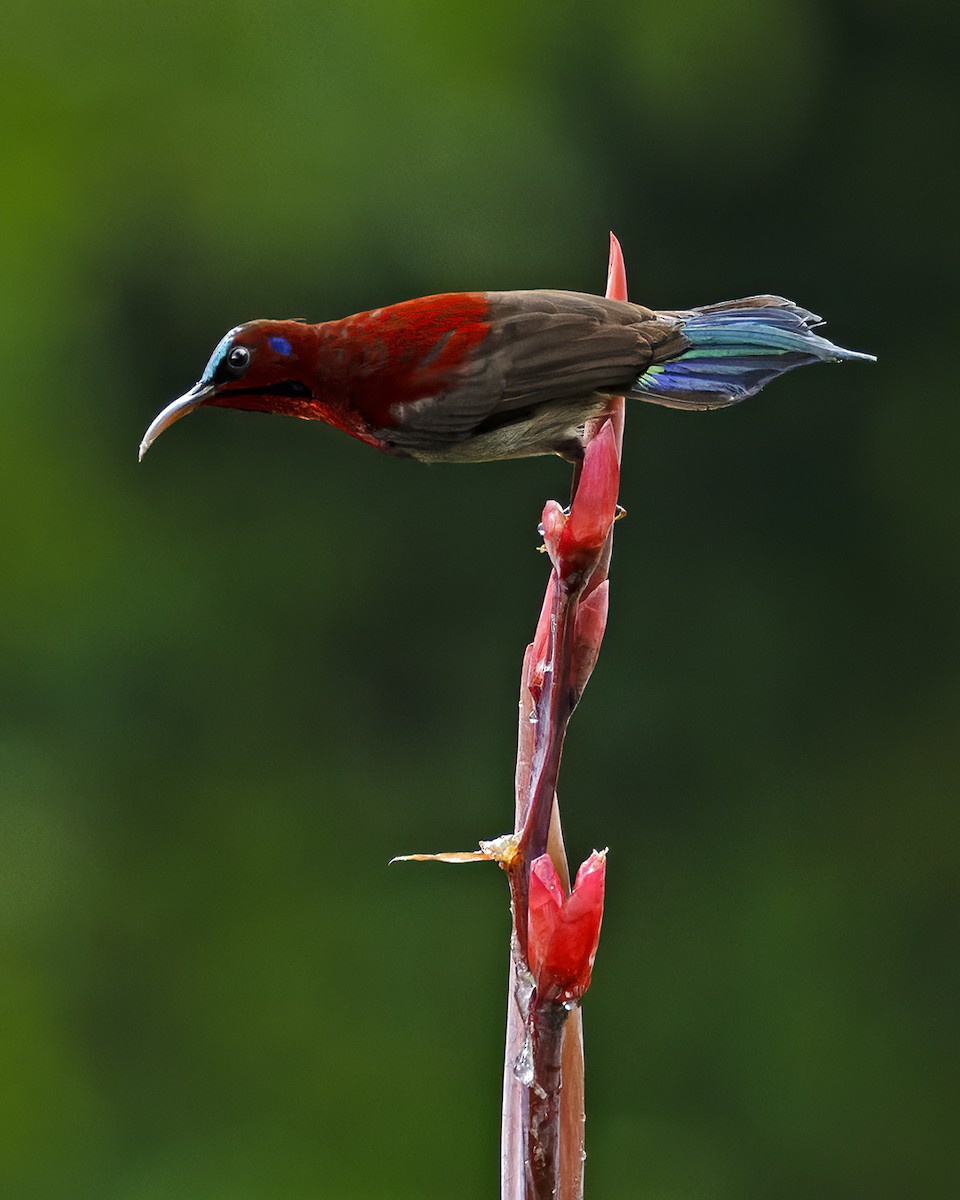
[238,360]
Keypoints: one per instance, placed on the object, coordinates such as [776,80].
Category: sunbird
[479,376]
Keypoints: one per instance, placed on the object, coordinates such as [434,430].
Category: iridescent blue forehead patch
[217,356]
[280,345]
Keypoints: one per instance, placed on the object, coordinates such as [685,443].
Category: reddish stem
[542,1102]
[554,705]
[542,1135]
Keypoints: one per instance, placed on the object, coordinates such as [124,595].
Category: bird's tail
[735,348]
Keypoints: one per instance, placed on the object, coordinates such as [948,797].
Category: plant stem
[542,1101]
[543,1111]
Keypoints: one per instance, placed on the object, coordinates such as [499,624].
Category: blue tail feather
[735,350]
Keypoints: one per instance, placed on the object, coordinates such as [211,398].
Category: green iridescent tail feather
[735,349]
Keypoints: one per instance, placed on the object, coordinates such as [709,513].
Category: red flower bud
[574,540]
[562,933]
[595,504]
[591,622]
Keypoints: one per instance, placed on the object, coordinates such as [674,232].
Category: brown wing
[542,347]
[564,345]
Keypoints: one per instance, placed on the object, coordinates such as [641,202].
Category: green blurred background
[239,678]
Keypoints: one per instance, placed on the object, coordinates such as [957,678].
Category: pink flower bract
[574,540]
[563,932]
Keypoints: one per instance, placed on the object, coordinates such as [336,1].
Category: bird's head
[263,365]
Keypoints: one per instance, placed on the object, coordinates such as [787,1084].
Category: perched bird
[476,376]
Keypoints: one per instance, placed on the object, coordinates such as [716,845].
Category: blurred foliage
[238,679]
